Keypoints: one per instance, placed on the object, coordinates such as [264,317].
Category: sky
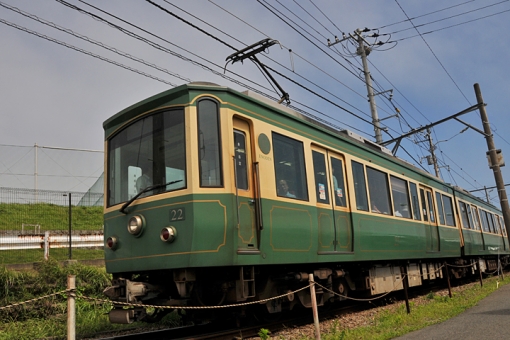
[64,72]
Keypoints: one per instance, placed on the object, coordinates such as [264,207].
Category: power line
[454,25]
[97,43]
[443,19]
[84,51]
[430,48]
[169,51]
[326,17]
[423,15]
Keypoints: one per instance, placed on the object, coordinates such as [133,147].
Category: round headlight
[111,242]
[168,234]
[135,225]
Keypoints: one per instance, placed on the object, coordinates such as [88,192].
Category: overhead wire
[290,50]
[95,42]
[426,14]
[37,34]
[278,63]
[326,99]
[277,72]
[169,51]
[450,26]
[443,19]
[326,17]
[434,54]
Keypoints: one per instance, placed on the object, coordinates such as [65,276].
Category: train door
[334,223]
[429,216]
[248,232]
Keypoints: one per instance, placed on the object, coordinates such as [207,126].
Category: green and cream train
[219,197]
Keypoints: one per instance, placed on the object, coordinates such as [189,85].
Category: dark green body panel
[292,233]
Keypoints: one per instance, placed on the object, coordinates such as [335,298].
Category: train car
[215,197]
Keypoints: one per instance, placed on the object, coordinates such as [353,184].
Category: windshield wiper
[123,209]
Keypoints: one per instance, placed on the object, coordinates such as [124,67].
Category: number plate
[177,214]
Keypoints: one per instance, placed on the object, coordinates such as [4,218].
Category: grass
[50,216]
[47,318]
[37,255]
[395,321]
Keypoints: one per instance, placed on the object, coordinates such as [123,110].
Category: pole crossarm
[471,127]
[412,132]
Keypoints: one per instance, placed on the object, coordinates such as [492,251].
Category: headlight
[168,234]
[135,225]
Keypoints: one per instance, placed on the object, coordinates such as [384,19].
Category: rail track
[251,325]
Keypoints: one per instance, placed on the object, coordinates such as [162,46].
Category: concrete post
[500,184]
[71,308]
[313,297]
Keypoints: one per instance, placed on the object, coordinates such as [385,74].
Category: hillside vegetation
[50,217]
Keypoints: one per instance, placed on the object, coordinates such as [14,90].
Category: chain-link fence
[39,223]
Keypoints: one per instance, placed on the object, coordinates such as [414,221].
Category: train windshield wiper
[153,187]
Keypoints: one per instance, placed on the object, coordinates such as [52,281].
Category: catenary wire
[443,19]
[95,42]
[424,15]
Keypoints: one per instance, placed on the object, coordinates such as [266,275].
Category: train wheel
[210,295]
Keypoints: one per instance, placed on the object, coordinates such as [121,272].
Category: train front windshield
[149,152]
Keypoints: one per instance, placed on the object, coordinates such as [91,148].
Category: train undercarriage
[273,289]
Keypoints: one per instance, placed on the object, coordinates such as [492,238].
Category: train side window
[241,168]
[379,191]
[339,193]
[432,216]
[497,229]
[416,203]
[360,187]
[289,165]
[321,178]
[448,211]
[209,144]
[476,218]
[464,215]
[424,205]
[483,217]
[490,218]
[440,210]
[470,217]
[502,225]
[400,197]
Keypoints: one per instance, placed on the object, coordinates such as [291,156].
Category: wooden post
[405,278]
[314,307]
[480,272]
[448,279]
[71,308]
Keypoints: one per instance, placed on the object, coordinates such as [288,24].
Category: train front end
[166,210]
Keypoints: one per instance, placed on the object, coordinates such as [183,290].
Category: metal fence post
[70,227]
[71,307]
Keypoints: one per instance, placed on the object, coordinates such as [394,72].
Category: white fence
[14,240]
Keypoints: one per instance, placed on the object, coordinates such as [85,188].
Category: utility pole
[363,51]
[500,184]
[433,153]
